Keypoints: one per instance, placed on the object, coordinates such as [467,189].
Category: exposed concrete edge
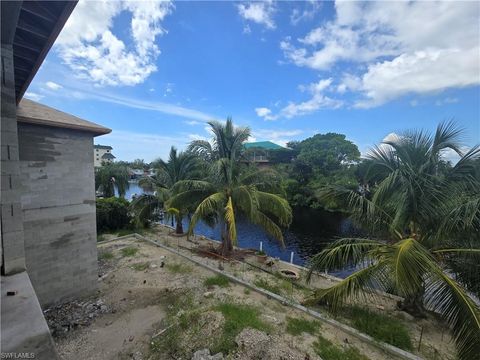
[349,330]
[23,326]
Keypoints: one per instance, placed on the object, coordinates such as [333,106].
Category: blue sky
[155,72]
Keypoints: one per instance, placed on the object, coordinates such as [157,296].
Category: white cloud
[88,46]
[265,113]
[388,56]
[447,100]
[310,8]
[162,107]
[317,101]
[258,12]
[53,86]
[193,122]
[33,96]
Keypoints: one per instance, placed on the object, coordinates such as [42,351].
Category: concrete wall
[58,204]
[11,226]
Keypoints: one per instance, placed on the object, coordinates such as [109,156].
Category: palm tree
[426,219]
[111,176]
[180,166]
[232,188]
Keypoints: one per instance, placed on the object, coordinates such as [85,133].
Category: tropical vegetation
[425,216]
[232,188]
[112,176]
[179,167]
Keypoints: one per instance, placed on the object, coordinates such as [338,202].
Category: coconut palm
[180,166]
[423,216]
[227,142]
[111,176]
[232,188]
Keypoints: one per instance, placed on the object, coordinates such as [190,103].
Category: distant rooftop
[108,156]
[31,112]
[106,147]
[268,145]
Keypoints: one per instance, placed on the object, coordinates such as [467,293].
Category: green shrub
[329,351]
[381,327]
[297,326]
[129,251]
[237,317]
[113,214]
[219,280]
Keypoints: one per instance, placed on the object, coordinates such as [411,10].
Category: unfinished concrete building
[48,230]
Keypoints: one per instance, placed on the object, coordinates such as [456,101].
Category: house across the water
[258,152]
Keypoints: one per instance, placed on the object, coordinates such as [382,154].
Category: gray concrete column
[11,216]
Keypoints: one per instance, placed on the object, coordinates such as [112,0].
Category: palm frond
[345,252]
[269,226]
[210,205]
[360,284]
[276,206]
[448,298]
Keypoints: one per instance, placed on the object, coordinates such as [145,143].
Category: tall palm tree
[426,218]
[180,166]
[232,188]
[111,176]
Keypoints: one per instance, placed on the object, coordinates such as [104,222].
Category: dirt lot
[152,304]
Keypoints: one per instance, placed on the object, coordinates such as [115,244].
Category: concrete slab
[23,326]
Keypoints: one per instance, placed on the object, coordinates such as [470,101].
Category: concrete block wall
[12,246]
[58,204]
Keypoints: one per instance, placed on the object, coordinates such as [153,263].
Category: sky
[157,72]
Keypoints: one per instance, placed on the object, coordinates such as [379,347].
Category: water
[309,233]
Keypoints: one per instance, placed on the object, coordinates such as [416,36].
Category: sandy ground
[137,306]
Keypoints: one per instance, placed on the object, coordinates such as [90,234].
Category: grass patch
[219,280]
[141,266]
[180,317]
[329,351]
[265,284]
[100,238]
[105,255]
[129,251]
[178,268]
[246,291]
[381,327]
[237,317]
[298,326]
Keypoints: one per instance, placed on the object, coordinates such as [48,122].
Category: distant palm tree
[180,166]
[427,218]
[111,176]
[232,188]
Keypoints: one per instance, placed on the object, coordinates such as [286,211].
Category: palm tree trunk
[226,246]
[179,227]
[413,305]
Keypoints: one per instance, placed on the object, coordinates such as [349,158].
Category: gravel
[68,316]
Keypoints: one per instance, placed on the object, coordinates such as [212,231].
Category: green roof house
[257,152]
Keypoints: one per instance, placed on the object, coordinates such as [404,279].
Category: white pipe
[261,245]
[291,257]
